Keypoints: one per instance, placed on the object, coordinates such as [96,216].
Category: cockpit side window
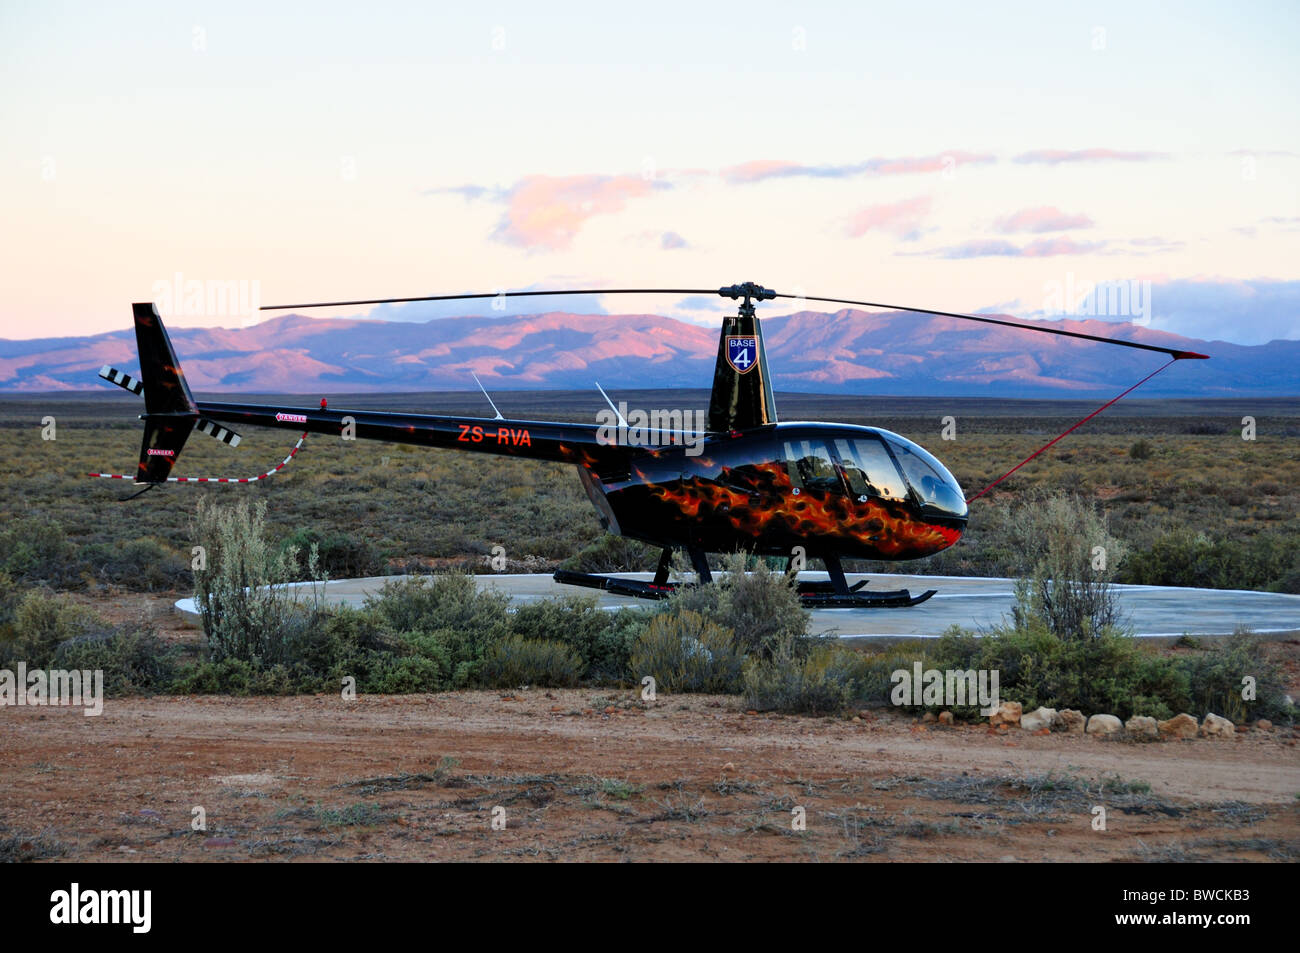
[809,464]
[869,469]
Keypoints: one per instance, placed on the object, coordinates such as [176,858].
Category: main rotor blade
[1176,354]
[498,294]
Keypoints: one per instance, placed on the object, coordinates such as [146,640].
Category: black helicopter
[749,482]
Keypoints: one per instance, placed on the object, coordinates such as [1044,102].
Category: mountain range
[845,352]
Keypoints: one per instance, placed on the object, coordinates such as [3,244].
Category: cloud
[671,240]
[902,219]
[1042,219]
[1000,248]
[762,169]
[1059,156]
[1151,245]
[546,212]
[1253,311]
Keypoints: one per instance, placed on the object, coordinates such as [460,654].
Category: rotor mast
[742,386]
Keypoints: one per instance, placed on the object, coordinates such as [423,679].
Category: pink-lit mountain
[848,351]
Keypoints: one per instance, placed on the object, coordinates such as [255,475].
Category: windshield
[927,476]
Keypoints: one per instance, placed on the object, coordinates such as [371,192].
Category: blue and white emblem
[742,352]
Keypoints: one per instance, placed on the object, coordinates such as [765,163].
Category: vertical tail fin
[742,387]
[170,411]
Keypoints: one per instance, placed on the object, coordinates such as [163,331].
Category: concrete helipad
[972,602]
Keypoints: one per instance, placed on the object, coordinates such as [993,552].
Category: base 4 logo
[742,352]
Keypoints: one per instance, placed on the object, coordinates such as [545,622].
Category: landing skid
[834,593]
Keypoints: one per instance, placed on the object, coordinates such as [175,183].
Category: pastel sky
[943,155]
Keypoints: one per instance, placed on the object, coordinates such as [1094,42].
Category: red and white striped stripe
[274,470]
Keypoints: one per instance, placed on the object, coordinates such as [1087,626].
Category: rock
[1142,726]
[1177,727]
[1008,713]
[1038,719]
[1264,725]
[1215,726]
[1069,720]
[945,718]
[929,718]
[1103,725]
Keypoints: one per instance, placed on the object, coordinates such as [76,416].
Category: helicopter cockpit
[878,464]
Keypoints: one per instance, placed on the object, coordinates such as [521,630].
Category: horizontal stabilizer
[218,432]
[125,381]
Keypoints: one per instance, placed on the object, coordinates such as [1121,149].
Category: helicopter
[749,482]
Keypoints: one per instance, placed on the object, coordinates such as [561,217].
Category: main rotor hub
[747,290]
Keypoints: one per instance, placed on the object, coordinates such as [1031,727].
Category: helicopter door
[810,467]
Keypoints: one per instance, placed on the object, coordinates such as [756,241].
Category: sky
[1006,157]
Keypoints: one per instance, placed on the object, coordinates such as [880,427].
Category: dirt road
[581,775]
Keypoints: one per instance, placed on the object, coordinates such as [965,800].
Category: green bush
[1068,558]
[822,682]
[602,640]
[518,661]
[339,555]
[1111,673]
[1267,561]
[685,652]
[469,621]
[610,553]
[142,565]
[248,613]
[1215,680]
[35,550]
[11,596]
[760,607]
[132,661]
[610,662]
[41,622]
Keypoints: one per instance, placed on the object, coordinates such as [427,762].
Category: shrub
[35,550]
[1069,557]
[41,622]
[1140,450]
[823,682]
[1109,673]
[1215,680]
[602,640]
[11,596]
[142,565]
[517,661]
[760,607]
[339,555]
[132,660]
[1187,558]
[611,658]
[685,652]
[468,621]
[610,553]
[247,611]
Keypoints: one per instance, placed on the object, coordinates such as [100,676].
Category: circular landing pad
[971,602]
